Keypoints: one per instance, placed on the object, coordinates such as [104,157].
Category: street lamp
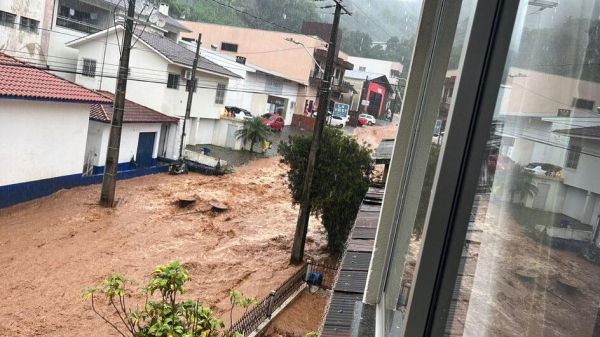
[291,39]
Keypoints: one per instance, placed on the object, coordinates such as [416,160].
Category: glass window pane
[531,259]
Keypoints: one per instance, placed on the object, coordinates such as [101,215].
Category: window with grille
[220,97]
[583,103]
[29,25]
[7,19]
[173,81]
[89,68]
[362,68]
[573,156]
[229,47]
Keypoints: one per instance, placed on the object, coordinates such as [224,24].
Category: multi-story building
[298,57]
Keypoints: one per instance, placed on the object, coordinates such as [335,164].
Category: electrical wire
[375,22]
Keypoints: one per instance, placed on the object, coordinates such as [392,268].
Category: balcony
[77,25]
[338,83]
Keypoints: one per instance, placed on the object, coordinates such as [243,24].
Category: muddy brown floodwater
[53,247]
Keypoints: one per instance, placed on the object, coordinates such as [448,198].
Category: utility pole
[109,179]
[191,86]
[324,95]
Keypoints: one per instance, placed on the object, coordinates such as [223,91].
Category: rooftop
[134,112]
[588,132]
[20,80]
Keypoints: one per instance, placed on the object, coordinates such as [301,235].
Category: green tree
[254,131]
[166,316]
[340,181]
[356,43]
[520,181]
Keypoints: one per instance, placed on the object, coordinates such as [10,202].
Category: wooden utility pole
[191,86]
[324,95]
[109,180]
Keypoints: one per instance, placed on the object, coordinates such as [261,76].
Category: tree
[254,130]
[356,43]
[163,317]
[340,182]
[517,181]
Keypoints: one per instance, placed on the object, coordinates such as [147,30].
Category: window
[583,103]
[7,19]
[29,25]
[362,68]
[89,68]
[229,47]
[573,156]
[173,81]
[395,73]
[220,97]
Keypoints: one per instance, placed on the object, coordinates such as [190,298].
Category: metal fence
[263,310]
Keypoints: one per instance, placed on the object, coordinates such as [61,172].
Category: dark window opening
[583,103]
[7,19]
[229,47]
[89,68]
[220,97]
[29,25]
[173,81]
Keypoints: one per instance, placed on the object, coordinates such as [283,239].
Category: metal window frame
[476,92]
[175,83]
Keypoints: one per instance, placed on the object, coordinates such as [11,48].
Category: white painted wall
[586,175]
[556,194]
[220,131]
[62,57]
[153,69]
[97,141]
[575,203]
[376,66]
[41,139]
[205,131]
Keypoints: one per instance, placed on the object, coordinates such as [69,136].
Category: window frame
[27,22]
[3,19]
[220,93]
[91,68]
[573,155]
[582,103]
[173,81]
[362,68]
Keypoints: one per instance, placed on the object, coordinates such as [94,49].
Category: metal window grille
[173,81]
[29,25]
[573,157]
[89,68]
[220,97]
[7,19]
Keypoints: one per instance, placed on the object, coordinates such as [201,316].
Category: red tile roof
[25,81]
[134,113]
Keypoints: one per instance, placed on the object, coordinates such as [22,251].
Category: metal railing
[264,309]
[77,25]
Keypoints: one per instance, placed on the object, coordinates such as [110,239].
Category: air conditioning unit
[187,74]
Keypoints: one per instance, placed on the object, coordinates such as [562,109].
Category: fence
[263,310]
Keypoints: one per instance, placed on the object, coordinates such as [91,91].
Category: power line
[537,93]
[154,81]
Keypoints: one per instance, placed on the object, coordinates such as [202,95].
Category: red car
[362,121]
[500,162]
[273,120]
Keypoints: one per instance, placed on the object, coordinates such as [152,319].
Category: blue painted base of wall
[17,193]
[121,167]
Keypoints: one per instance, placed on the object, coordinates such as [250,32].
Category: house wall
[556,194]
[205,131]
[97,141]
[575,201]
[586,175]
[41,140]
[220,132]
[376,66]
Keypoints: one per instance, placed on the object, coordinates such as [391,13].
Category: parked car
[314,114]
[337,121]
[362,121]
[273,120]
[370,119]
[499,161]
[543,169]
[239,113]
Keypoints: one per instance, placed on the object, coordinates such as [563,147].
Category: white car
[239,113]
[337,121]
[370,119]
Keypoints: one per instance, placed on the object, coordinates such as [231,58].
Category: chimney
[163,9]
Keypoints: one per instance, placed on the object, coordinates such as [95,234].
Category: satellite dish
[161,22]
[153,18]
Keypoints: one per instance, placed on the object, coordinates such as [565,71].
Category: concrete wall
[376,66]
[26,45]
[574,205]
[41,140]
[97,142]
[586,175]
[556,194]
[220,132]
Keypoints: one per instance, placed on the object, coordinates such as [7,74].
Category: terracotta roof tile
[134,113]
[23,80]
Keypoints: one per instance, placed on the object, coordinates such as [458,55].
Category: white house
[25,29]
[259,90]
[146,135]
[159,76]
[43,129]
[388,68]
[72,19]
